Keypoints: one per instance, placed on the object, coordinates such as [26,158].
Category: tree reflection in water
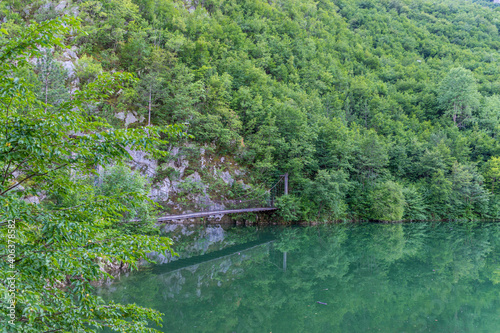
[421,277]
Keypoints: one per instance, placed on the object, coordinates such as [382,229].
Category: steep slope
[381,110]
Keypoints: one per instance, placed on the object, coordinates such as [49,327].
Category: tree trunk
[455,111]
[46,93]
[149,106]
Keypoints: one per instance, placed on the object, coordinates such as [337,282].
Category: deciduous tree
[458,95]
[58,246]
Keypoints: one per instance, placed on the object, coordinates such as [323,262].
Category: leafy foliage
[59,244]
[387,202]
[374,90]
[288,208]
[379,91]
[458,95]
[129,188]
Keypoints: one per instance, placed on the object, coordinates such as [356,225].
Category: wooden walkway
[216,212]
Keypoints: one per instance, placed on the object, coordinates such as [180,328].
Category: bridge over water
[263,203]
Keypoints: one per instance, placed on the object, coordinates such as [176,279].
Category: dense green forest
[382,110]
[377,110]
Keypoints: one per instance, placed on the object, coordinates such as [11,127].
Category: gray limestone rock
[226,177]
[120,115]
[32,200]
[129,117]
[61,6]
[195,177]
[144,165]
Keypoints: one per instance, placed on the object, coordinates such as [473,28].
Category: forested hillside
[377,109]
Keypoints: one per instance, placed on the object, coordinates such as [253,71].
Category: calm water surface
[356,278]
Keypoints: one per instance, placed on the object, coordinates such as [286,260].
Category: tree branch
[5,173]
[7,116]
[31,176]
[17,167]
[83,204]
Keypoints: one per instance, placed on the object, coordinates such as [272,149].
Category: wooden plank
[217,212]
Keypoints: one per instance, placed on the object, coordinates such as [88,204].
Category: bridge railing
[265,200]
[206,205]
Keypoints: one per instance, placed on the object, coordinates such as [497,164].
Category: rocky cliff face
[191,176]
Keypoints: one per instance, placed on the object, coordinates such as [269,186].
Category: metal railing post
[286,183]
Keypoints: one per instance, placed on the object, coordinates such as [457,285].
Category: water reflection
[381,278]
[196,240]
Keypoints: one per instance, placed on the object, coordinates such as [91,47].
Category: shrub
[415,207]
[387,202]
[288,208]
[129,187]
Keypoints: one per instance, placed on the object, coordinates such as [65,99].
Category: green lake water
[425,277]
